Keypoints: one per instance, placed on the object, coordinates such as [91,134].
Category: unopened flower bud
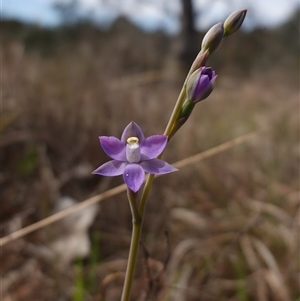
[200,60]
[234,22]
[213,38]
[198,87]
[200,84]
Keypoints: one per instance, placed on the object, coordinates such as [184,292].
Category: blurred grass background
[226,228]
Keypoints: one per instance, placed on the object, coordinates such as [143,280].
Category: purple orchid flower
[133,155]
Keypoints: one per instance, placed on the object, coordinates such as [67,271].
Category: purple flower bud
[200,84]
[234,22]
[213,38]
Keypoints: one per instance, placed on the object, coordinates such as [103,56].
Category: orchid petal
[203,81]
[111,168]
[134,176]
[132,130]
[157,166]
[113,147]
[153,146]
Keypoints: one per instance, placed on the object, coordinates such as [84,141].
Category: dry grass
[232,220]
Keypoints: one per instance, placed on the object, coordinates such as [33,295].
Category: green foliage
[241,273]
[93,261]
[79,287]
[28,161]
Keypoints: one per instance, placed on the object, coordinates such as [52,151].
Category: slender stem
[145,194]
[138,212]
[132,198]
[134,245]
[176,110]
[180,100]
[168,132]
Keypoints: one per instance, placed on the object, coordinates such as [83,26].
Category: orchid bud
[200,60]
[200,84]
[198,87]
[234,22]
[213,38]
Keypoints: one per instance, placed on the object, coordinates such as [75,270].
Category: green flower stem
[145,194]
[174,117]
[134,245]
[138,212]
[184,114]
[132,197]
[168,132]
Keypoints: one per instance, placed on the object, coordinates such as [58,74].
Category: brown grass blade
[273,275]
[57,216]
[249,253]
[114,191]
[271,209]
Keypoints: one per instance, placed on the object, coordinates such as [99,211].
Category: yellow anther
[132,140]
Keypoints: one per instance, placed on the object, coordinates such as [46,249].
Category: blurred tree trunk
[190,46]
